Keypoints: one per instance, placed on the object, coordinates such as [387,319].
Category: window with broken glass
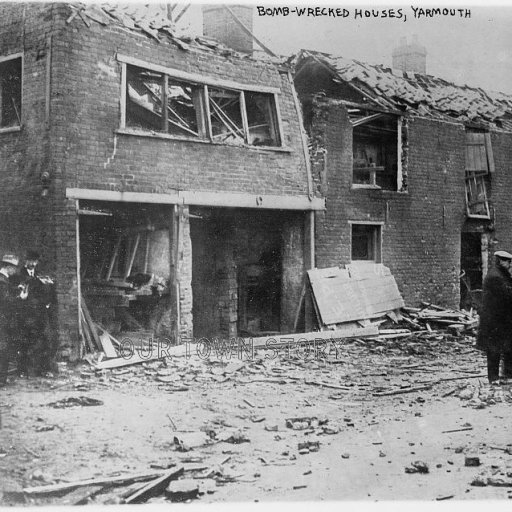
[479,166]
[10,92]
[375,149]
[198,111]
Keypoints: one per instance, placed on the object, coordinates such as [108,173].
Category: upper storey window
[376,139]
[10,91]
[158,101]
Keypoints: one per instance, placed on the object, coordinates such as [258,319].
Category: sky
[476,51]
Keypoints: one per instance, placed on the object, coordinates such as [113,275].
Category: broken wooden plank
[326,385]
[456,430]
[133,359]
[306,337]
[106,344]
[119,479]
[91,324]
[159,353]
[154,487]
[401,391]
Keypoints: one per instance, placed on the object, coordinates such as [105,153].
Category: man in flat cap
[495,330]
[8,305]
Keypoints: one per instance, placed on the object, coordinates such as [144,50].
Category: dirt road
[366,436]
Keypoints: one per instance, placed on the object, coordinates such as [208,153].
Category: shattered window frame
[11,81]
[370,235]
[479,165]
[216,114]
[376,150]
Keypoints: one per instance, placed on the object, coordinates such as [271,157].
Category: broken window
[375,149]
[261,119]
[10,93]
[144,99]
[184,107]
[226,116]
[479,165]
[366,242]
[197,111]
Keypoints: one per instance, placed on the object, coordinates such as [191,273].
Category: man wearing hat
[8,300]
[35,351]
[495,329]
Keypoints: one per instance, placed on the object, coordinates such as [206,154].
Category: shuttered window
[479,166]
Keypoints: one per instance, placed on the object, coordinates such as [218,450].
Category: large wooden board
[369,292]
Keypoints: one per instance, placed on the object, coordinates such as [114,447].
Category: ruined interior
[474,257]
[375,149]
[238,260]
[126,266]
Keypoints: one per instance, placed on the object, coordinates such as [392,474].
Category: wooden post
[175,261]
[78,277]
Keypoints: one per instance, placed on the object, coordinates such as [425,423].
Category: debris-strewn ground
[409,418]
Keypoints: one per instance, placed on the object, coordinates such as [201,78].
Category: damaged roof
[152,23]
[422,94]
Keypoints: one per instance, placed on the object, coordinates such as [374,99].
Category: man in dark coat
[495,330]
[36,341]
[8,305]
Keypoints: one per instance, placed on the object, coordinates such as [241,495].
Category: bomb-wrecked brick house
[164,179]
[415,171]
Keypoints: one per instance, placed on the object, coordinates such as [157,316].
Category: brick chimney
[410,56]
[219,24]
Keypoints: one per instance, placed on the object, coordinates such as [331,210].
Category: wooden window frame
[377,240]
[7,58]
[204,115]
[373,170]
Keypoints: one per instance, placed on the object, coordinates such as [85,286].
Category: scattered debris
[308,446]
[186,441]
[182,490]
[417,467]
[472,461]
[80,401]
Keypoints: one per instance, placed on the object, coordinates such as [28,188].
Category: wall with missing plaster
[420,229]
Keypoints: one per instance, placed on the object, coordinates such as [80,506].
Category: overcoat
[495,329]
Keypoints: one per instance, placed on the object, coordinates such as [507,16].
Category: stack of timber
[434,317]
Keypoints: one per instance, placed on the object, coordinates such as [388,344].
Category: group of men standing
[27,318]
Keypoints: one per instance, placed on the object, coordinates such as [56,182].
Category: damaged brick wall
[420,228]
[28,220]
[230,246]
[501,184]
[82,148]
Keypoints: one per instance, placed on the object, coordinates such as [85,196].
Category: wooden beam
[161,352]
[182,12]
[196,77]
[56,488]
[244,200]
[121,197]
[303,134]
[306,337]
[154,487]
[203,198]
[132,256]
